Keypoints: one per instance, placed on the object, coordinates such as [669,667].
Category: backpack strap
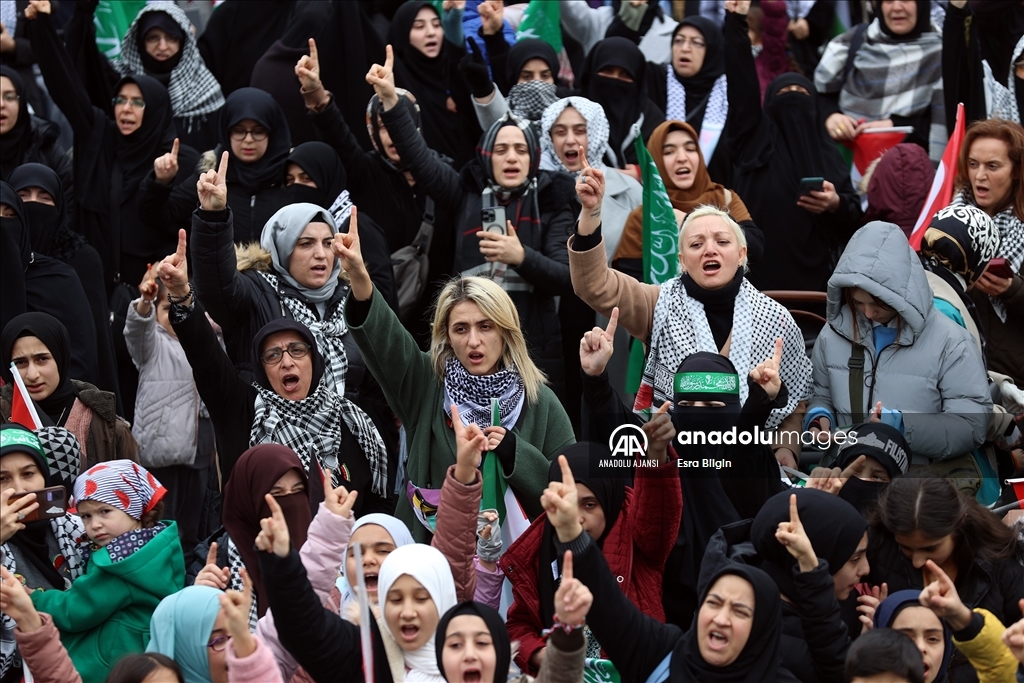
[856,364]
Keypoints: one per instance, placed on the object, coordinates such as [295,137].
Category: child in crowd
[172,426]
[884,654]
[133,562]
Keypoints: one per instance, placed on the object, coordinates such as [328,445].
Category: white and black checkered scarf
[681,328]
[192,88]
[1011,244]
[312,428]
[890,76]
[473,394]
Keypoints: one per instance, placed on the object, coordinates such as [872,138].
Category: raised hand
[876,413]
[589,184]
[868,602]
[1013,637]
[491,16]
[572,599]
[339,500]
[173,270]
[792,535]
[148,288]
[37,7]
[831,480]
[15,602]
[307,69]
[941,597]
[470,445]
[560,501]
[211,575]
[11,515]
[236,606]
[382,78]
[841,127]
[212,187]
[502,248]
[346,247]
[597,346]
[737,6]
[660,432]
[273,536]
[166,167]
[766,374]
[453,4]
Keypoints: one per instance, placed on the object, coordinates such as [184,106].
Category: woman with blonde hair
[477,355]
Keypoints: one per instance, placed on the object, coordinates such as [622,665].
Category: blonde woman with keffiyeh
[477,355]
[709,307]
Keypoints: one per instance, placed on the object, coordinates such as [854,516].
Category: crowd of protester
[340,341]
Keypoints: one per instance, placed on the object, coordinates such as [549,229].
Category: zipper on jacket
[252,205]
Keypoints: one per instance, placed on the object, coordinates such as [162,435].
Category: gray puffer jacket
[167,405]
[932,373]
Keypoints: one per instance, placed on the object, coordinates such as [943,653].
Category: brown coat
[107,437]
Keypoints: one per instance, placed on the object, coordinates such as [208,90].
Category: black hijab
[52,333]
[432,81]
[136,152]
[167,24]
[495,624]
[760,659]
[16,228]
[258,105]
[525,50]
[15,142]
[698,86]
[282,325]
[610,493]
[48,224]
[623,102]
[924,21]
[322,165]
[833,526]
[31,540]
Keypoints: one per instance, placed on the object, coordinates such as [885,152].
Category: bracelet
[559,626]
[181,299]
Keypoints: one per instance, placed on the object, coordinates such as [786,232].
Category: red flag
[23,410]
[1018,489]
[941,193]
[872,143]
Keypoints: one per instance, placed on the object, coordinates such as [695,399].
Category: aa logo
[628,441]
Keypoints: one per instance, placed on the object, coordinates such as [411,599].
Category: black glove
[506,452]
[474,70]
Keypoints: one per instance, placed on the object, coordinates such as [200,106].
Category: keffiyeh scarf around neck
[1011,245]
[473,394]
[312,428]
[67,530]
[714,115]
[192,88]
[681,328]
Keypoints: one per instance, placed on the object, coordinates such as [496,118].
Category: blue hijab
[180,629]
[899,601]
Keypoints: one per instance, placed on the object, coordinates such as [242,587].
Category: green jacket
[417,396]
[105,613]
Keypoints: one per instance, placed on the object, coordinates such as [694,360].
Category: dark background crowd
[481,340]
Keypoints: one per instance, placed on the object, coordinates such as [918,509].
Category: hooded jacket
[106,613]
[899,186]
[932,373]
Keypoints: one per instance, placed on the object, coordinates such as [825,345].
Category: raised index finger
[583,157]
[567,567]
[275,509]
[389,58]
[567,477]
[182,243]
[794,513]
[613,322]
[174,149]
[313,54]
[456,421]
[353,222]
[777,356]
[222,169]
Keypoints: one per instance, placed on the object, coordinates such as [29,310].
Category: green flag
[112,19]
[660,244]
[541,20]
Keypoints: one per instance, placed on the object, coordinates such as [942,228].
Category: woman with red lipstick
[990,177]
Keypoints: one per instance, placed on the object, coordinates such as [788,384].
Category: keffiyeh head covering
[280,235]
[962,238]
[495,624]
[430,568]
[181,628]
[123,484]
[597,132]
[192,88]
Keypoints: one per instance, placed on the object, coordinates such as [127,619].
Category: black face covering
[862,494]
[321,163]
[623,102]
[706,376]
[16,229]
[797,124]
[46,221]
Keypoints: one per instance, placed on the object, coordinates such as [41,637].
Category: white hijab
[427,565]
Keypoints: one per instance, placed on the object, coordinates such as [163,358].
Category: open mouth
[476,357]
[409,633]
[371,582]
[510,172]
[472,675]
[319,269]
[35,388]
[572,154]
[681,173]
[980,190]
[290,382]
[711,267]
[126,124]
[430,45]
[717,640]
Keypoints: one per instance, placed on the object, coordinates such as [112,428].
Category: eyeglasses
[219,644]
[295,350]
[11,97]
[695,43]
[135,102]
[258,134]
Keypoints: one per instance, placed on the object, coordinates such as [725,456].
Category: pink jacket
[259,667]
[327,542]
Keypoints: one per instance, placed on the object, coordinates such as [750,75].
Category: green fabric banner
[542,20]
[112,19]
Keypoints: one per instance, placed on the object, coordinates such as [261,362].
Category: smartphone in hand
[52,503]
[1000,267]
[492,219]
[808,185]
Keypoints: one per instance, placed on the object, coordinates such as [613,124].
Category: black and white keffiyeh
[235,583]
[1011,244]
[681,328]
[597,132]
[341,209]
[67,530]
[890,77]
[1002,99]
[529,100]
[63,454]
[473,394]
[312,428]
[327,332]
[714,115]
[192,88]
